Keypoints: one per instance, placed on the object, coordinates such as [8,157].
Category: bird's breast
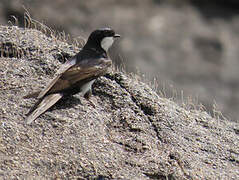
[86,87]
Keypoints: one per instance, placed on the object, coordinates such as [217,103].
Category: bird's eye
[110,33]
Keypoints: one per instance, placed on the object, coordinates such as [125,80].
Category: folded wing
[70,75]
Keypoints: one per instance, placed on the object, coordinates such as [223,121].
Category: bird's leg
[87,96]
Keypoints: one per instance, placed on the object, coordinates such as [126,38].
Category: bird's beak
[116,36]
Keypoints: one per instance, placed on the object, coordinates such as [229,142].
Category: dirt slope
[132,133]
[191,45]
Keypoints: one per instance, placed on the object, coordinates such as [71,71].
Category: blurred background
[183,45]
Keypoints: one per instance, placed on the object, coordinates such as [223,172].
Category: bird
[77,74]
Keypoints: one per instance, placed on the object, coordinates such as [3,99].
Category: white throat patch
[107,42]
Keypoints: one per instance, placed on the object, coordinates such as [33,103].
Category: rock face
[188,44]
[132,133]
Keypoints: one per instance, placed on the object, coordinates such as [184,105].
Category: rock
[132,133]
[189,45]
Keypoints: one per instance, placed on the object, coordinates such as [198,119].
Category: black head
[101,38]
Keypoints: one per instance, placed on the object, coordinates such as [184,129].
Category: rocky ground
[187,45]
[132,133]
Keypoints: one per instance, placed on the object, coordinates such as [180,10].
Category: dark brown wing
[69,75]
[59,73]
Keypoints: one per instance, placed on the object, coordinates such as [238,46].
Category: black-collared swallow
[78,74]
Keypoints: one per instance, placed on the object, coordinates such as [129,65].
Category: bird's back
[86,66]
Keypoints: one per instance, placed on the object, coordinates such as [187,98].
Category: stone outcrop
[132,133]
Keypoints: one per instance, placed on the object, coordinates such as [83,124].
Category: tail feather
[34,107]
[42,105]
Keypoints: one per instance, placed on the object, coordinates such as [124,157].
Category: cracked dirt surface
[132,133]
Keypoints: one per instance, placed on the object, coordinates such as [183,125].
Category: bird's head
[102,38]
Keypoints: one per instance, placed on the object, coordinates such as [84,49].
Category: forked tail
[42,105]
